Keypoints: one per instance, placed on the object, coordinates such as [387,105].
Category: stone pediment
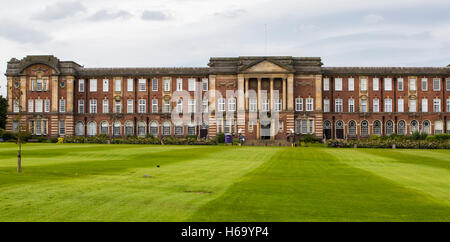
[266,66]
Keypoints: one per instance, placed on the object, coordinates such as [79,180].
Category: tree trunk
[19,159]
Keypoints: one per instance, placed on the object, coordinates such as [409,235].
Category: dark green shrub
[220,138]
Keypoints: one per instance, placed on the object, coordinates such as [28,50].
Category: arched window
[92,128]
[352,128]
[364,128]
[389,127]
[79,129]
[426,127]
[166,128]
[116,128]
[414,126]
[104,127]
[154,128]
[402,128]
[448,126]
[339,129]
[129,128]
[142,128]
[438,127]
[377,127]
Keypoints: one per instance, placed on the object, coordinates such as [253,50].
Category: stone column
[54,104]
[246,93]
[284,94]
[259,93]
[212,92]
[10,97]
[271,94]
[23,89]
[241,104]
[290,92]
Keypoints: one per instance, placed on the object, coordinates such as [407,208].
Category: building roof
[142,71]
[386,71]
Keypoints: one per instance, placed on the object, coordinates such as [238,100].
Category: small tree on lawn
[20,135]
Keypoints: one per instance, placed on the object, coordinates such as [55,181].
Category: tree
[3,108]
[20,135]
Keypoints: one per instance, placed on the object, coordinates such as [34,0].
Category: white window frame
[155,84]
[400,105]
[118,85]
[309,104]
[412,84]
[81,85]
[47,105]
[130,84]
[231,104]
[205,84]
[179,84]
[375,84]
[436,84]
[80,105]
[105,106]
[436,105]
[142,85]
[388,105]
[326,84]
[363,84]
[105,85]
[93,106]
[253,105]
[93,85]
[400,84]
[30,105]
[338,105]
[191,84]
[154,105]
[62,105]
[351,105]
[351,84]
[191,106]
[376,105]
[221,105]
[388,84]
[326,105]
[130,104]
[424,105]
[299,104]
[142,106]
[412,105]
[424,84]
[338,84]
[364,106]
[167,84]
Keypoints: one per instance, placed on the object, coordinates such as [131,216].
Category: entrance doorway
[265,131]
[327,129]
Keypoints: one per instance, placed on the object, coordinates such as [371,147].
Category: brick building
[258,97]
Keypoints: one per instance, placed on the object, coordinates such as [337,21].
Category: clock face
[62,84]
[16,84]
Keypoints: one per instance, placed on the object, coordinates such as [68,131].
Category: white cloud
[343,33]
[103,15]
[59,10]
[154,15]
[373,19]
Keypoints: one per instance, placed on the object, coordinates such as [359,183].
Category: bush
[5,135]
[401,144]
[220,138]
[309,138]
[54,140]
[438,137]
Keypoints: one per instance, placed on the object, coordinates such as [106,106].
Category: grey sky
[113,33]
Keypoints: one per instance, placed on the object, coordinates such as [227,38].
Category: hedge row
[405,144]
[169,140]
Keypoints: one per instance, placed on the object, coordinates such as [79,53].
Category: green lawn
[80,182]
